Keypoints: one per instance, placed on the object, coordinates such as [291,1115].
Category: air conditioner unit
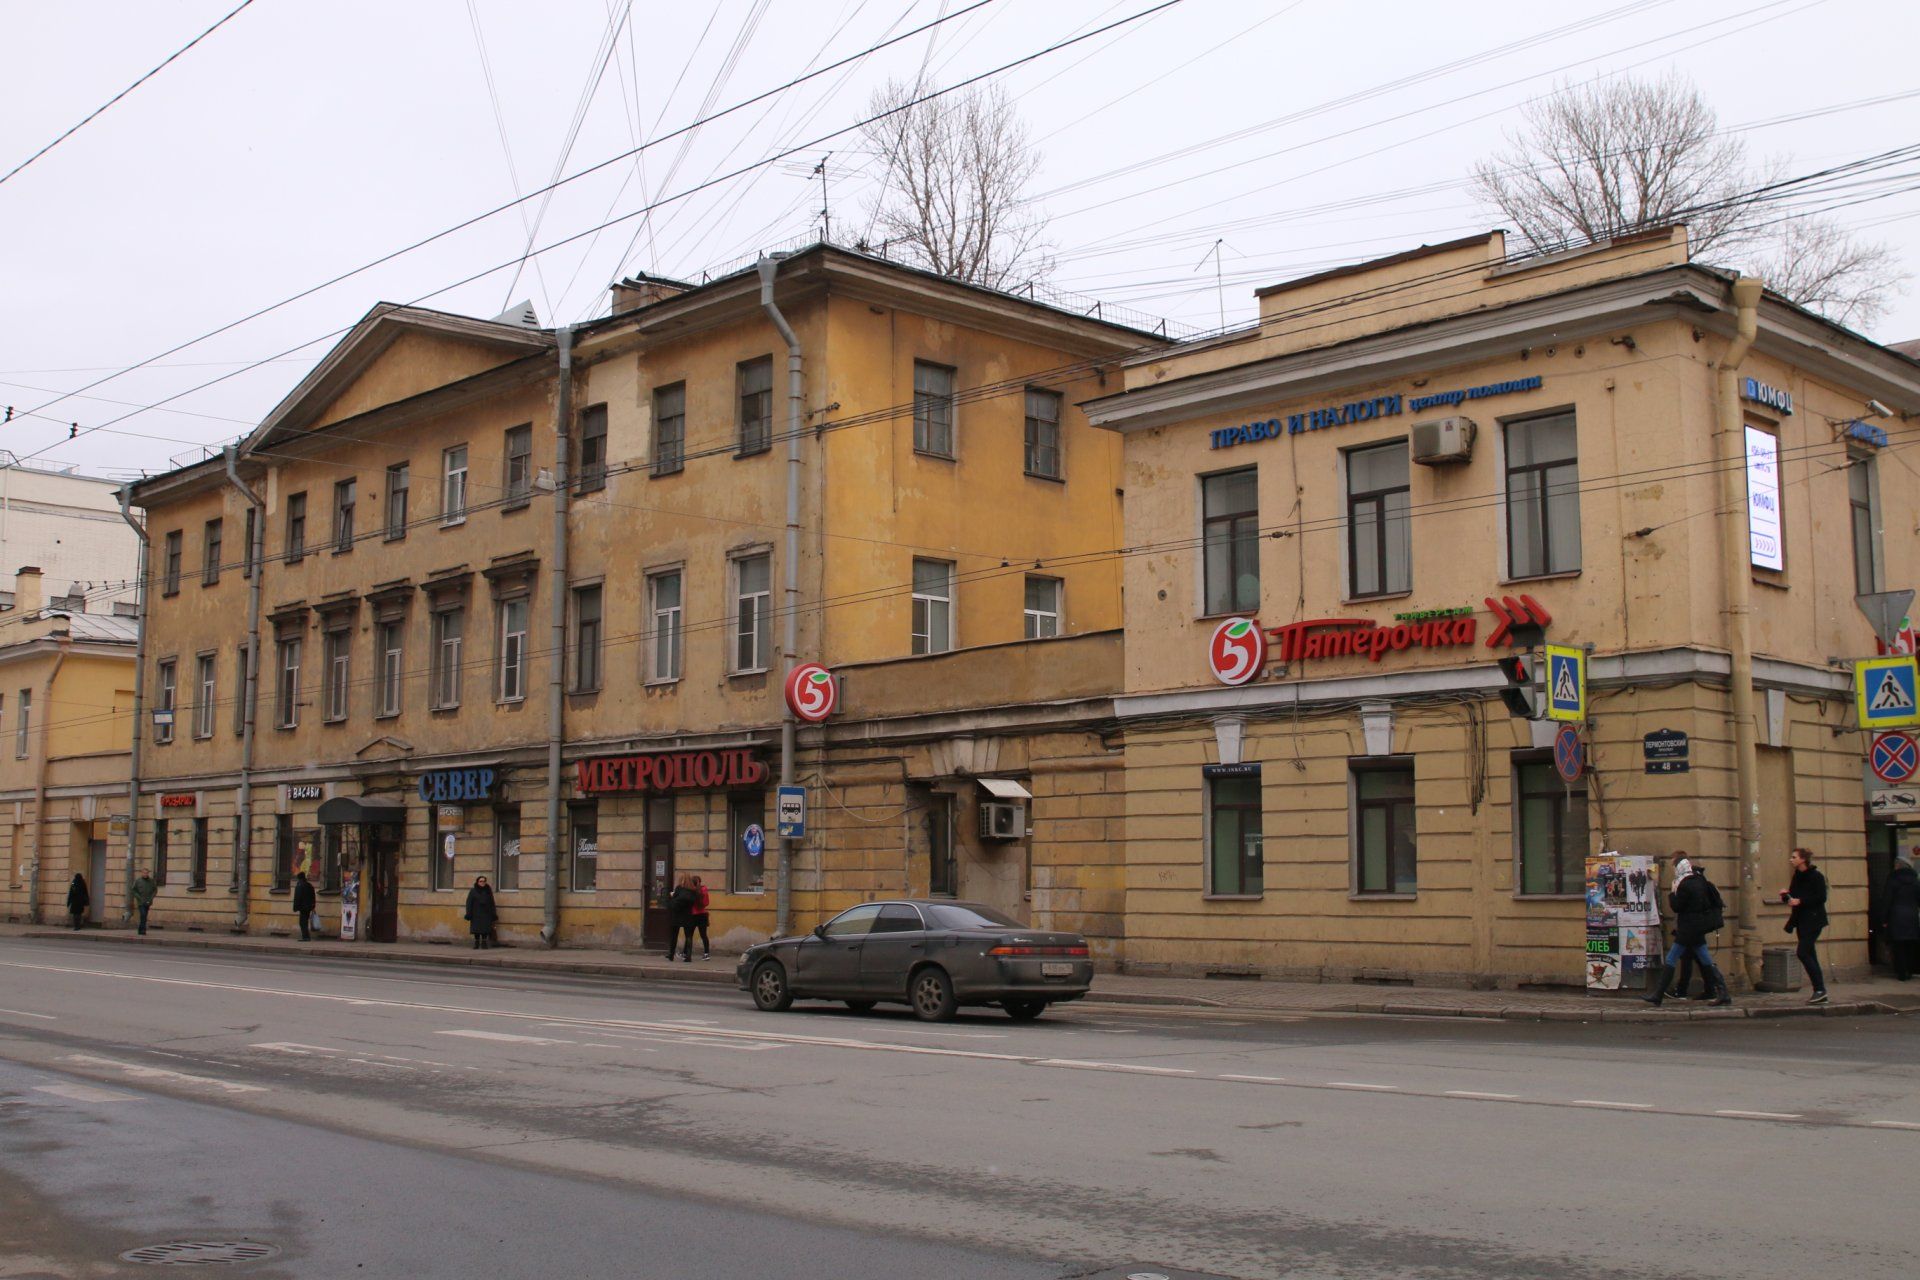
[1443,441]
[1001,820]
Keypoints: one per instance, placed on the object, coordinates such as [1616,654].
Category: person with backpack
[1806,893]
[1698,910]
[700,918]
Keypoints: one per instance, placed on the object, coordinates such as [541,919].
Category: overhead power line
[95,113]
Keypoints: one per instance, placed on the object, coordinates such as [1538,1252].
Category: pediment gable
[393,355]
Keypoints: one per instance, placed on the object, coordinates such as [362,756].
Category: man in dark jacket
[304,901]
[1807,895]
[1900,916]
[78,899]
[1698,910]
[144,889]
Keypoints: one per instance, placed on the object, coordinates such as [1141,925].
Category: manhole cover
[200,1253]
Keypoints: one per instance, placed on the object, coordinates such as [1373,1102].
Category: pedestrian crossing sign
[1884,692]
[1566,683]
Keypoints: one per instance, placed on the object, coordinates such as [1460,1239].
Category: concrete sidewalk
[1880,995]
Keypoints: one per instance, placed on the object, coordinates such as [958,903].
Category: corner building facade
[422,539]
[1400,460]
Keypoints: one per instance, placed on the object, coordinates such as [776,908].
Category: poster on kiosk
[1623,920]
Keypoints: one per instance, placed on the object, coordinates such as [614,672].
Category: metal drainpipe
[40,785]
[139,695]
[557,675]
[789,635]
[1736,546]
[256,557]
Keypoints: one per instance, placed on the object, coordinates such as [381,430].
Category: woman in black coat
[1807,895]
[78,899]
[1698,910]
[683,903]
[1900,914]
[482,915]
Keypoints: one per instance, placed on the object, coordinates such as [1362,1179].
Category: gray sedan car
[931,956]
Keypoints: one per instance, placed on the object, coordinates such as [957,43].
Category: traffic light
[1523,694]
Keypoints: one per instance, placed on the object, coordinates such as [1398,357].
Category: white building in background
[69,526]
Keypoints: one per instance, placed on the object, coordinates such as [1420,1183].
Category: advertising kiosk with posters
[1623,921]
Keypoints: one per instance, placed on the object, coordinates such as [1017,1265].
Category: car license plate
[1054,969]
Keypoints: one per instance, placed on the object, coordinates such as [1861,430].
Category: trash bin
[1779,969]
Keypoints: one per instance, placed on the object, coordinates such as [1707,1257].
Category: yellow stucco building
[66,700]
[452,619]
[1394,451]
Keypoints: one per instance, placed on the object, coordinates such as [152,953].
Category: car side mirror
[820,932]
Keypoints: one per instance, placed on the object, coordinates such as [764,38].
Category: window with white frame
[513,649]
[932,606]
[336,674]
[345,498]
[664,628]
[448,633]
[1043,607]
[753,612]
[1043,433]
[207,695]
[932,409]
[390,643]
[518,480]
[163,703]
[286,700]
[1543,497]
[23,724]
[453,485]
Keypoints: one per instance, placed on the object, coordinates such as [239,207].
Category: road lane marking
[299,1050]
[505,1037]
[1489,1097]
[139,1072]
[1893,1124]
[1349,1084]
[1619,1106]
[1258,1079]
[1086,1065]
[22,1013]
[688,1037]
[84,1093]
[1760,1115]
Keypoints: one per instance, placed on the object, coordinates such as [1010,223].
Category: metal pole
[557,666]
[789,641]
[139,694]
[257,569]
[1736,547]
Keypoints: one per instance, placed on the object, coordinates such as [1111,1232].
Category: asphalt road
[391,1120]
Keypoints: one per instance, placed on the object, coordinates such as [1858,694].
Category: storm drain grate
[200,1253]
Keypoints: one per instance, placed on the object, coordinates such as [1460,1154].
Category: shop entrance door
[380,883]
[656,921]
[97,879]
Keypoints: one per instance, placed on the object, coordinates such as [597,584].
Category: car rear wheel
[1024,1010]
[930,992]
[862,1006]
[770,991]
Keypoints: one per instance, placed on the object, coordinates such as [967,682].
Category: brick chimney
[645,290]
[26,591]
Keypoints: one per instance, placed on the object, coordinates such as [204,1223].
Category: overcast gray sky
[304,139]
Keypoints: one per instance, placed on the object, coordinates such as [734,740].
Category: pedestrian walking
[78,899]
[1900,917]
[1698,910]
[700,919]
[1807,895]
[143,891]
[680,907]
[304,902]
[482,915]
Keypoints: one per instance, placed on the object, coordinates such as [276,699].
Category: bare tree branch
[957,172]
[1818,264]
